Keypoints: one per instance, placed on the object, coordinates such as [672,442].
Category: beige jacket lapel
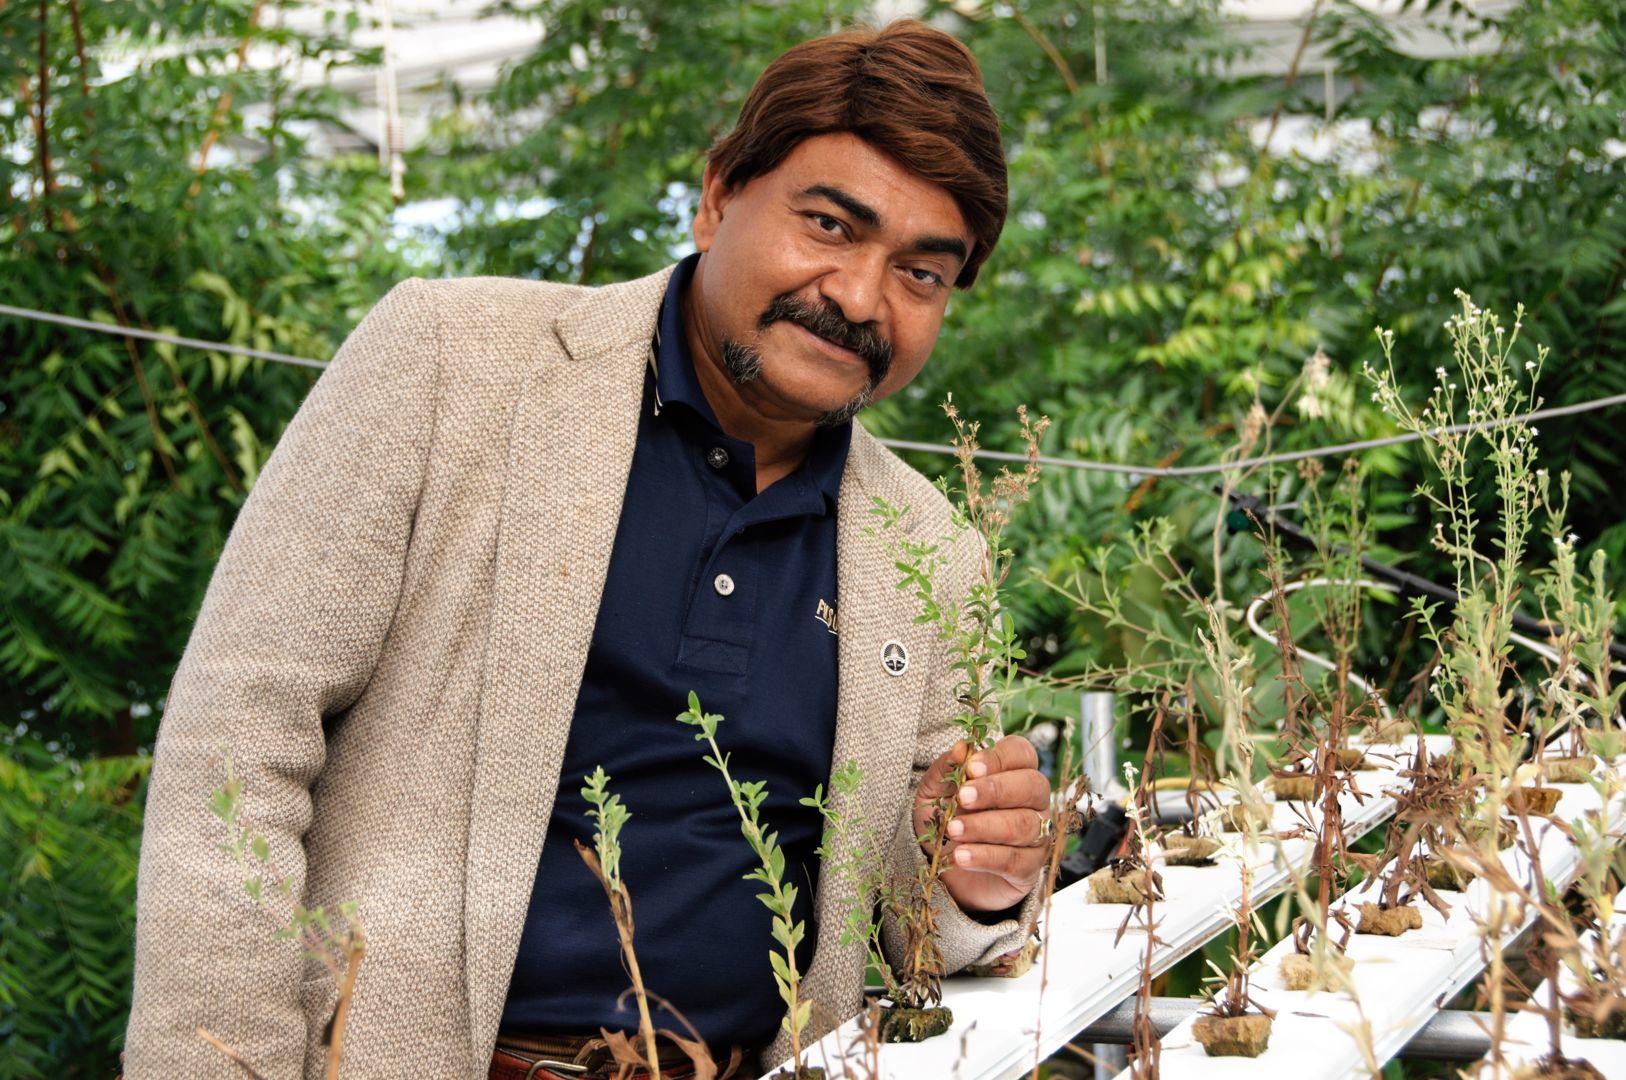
[570,451]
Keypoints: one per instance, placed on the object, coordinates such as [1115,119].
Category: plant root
[1568,770]
[1391,732]
[1562,1069]
[1181,850]
[1352,757]
[1587,1026]
[1012,965]
[1533,800]
[1135,887]
[1442,875]
[1390,922]
[1298,972]
[1234,816]
[1232,1036]
[1298,787]
[901,1025]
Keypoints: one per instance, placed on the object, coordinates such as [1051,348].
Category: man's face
[838,242]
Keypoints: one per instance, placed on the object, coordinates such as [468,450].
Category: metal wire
[1136,471]
[153,335]
[1273,459]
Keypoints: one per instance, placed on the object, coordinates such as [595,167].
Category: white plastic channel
[1400,982]
[994,1035]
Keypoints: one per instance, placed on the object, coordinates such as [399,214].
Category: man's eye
[931,278]
[820,219]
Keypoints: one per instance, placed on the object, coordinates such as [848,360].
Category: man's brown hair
[907,89]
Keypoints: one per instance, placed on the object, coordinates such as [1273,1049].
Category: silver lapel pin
[894,657]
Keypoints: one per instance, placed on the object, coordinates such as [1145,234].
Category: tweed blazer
[390,651]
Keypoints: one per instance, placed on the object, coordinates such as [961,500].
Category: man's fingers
[1011,752]
[1007,790]
[1018,865]
[934,784]
[1017,828]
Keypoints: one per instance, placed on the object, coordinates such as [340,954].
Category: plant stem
[347,989]
[237,1058]
[645,1024]
[753,833]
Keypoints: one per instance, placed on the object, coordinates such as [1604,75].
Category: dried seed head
[1253,426]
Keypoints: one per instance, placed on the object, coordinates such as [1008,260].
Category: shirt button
[717,457]
[723,584]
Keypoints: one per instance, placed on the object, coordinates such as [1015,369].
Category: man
[509,530]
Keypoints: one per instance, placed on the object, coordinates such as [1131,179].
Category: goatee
[744,363]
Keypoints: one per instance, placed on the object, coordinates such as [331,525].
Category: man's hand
[997,840]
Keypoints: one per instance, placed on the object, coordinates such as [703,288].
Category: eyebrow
[866,215]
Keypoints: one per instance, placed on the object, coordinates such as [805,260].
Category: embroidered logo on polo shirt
[826,615]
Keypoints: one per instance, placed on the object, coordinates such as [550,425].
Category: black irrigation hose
[1244,505]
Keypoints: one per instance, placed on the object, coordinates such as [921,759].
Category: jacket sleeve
[964,940]
[289,631]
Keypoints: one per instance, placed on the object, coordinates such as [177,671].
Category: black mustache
[829,325]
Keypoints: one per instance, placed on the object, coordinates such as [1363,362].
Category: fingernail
[968,796]
[963,857]
[977,769]
[956,828]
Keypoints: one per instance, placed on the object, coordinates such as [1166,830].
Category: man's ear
[708,216]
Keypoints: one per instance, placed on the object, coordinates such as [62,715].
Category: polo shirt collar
[676,383]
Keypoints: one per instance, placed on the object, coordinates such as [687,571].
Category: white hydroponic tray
[994,1033]
[1400,982]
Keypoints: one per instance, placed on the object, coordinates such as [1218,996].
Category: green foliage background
[1157,269]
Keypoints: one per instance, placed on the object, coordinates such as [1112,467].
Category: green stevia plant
[984,649]
[1236,1025]
[1577,697]
[780,897]
[1187,632]
[1488,386]
[1192,658]
[850,861]
[1493,712]
[339,945]
[604,860]
[1474,681]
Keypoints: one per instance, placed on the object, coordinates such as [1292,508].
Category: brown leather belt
[587,1057]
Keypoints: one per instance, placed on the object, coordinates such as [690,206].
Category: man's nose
[856,288]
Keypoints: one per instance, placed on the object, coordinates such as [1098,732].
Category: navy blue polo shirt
[717,588]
